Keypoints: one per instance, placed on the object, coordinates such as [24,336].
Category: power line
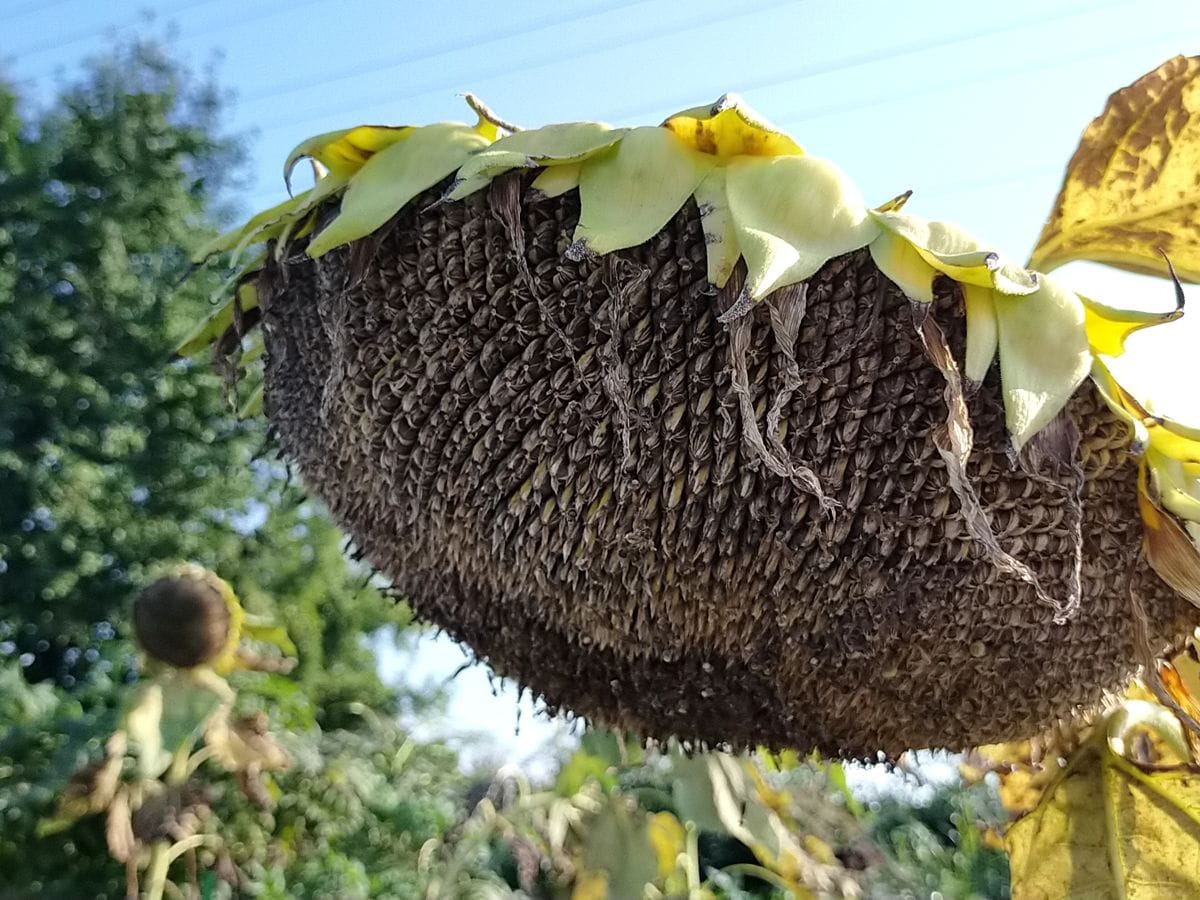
[536,62]
[35,6]
[442,49]
[789,121]
[62,41]
[869,57]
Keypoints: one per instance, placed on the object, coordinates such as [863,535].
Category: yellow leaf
[720,237]
[792,214]
[1130,191]
[896,203]
[730,128]
[1176,488]
[1169,438]
[954,252]
[629,193]
[345,151]
[1044,356]
[1181,678]
[557,180]
[1110,828]
[393,177]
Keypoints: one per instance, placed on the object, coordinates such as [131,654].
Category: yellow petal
[260,223]
[1044,355]
[720,238]
[1169,549]
[730,128]
[345,151]
[550,146]
[792,214]
[958,254]
[481,169]
[982,331]
[1110,391]
[218,321]
[557,180]
[896,203]
[557,144]
[1172,439]
[1107,328]
[1177,488]
[393,177]
[627,194]
[899,260]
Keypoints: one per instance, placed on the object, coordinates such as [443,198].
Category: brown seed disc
[182,621]
[549,458]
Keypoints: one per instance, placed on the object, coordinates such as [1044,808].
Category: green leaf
[793,214]
[692,791]
[629,193]
[390,179]
[1044,356]
[253,404]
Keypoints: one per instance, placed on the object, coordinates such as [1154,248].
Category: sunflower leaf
[1108,827]
[1130,192]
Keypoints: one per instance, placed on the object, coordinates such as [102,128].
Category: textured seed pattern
[547,457]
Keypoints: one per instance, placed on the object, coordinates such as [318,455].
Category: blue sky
[975,106]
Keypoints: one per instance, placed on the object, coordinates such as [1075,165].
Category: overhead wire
[443,49]
[27,8]
[540,60]
[60,42]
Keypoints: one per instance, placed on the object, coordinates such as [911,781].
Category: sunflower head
[188,618]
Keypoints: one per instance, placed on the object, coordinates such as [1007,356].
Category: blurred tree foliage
[115,460]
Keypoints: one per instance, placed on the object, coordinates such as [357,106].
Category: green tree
[115,460]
